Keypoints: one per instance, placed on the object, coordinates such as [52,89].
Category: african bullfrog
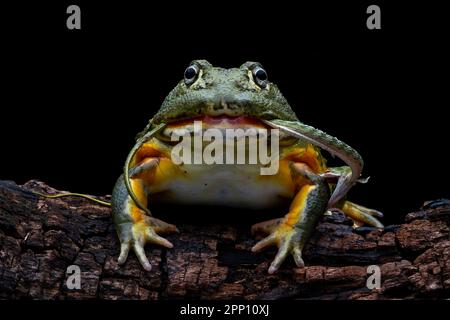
[231,99]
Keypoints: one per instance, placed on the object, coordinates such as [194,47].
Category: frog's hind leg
[359,214]
[362,215]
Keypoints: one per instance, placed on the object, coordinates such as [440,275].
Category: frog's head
[218,93]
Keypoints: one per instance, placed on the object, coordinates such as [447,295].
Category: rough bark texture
[40,238]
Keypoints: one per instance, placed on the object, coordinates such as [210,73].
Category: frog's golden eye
[191,74]
[260,76]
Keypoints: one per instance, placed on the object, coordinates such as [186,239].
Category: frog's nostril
[230,105]
[223,104]
[225,107]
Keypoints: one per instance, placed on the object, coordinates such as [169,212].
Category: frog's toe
[153,237]
[297,255]
[124,249]
[283,252]
[140,253]
[264,243]
[287,247]
[266,227]
[160,226]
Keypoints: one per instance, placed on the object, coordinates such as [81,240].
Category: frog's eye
[260,76]
[190,74]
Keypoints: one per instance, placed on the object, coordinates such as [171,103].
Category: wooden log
[40,238]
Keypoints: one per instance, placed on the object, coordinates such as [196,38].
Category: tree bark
[40,238]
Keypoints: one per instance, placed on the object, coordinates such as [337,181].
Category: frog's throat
[126,170]
[331,144]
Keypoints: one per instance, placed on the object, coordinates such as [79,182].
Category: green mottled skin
[220,84]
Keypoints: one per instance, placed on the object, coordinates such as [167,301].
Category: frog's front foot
[290,233]
[134,227]
[136,235]
[287,238]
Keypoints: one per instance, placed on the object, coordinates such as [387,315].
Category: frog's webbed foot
[287,238]
[362,215]
[136,235]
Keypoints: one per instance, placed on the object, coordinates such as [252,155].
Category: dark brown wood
[40,238]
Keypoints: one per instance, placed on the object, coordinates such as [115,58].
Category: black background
[73,100]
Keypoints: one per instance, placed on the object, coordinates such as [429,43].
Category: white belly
[224,185]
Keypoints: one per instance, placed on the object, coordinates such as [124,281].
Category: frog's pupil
[190,73]
[261,74]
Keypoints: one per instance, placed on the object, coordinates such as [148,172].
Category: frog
[230,98]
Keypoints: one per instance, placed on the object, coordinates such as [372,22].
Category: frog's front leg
[133,226]
[291,232]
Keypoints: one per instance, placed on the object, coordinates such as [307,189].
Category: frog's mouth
[221,122]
